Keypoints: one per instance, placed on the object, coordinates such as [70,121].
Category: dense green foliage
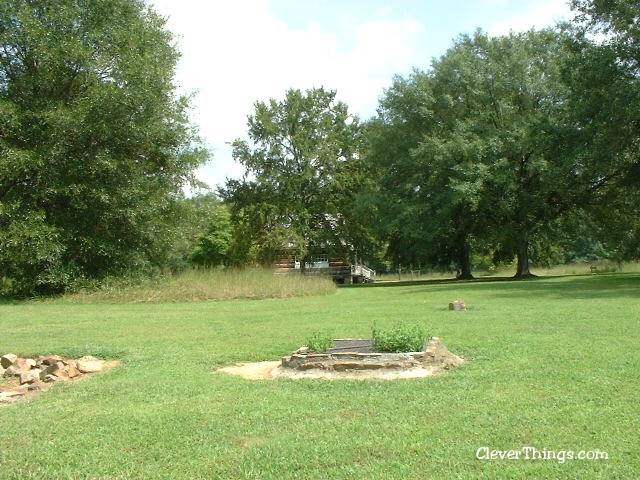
[519,148]
[462,149]
[553,363]
[605,113]
[302,171]
[319,341]
[401,337]
[213,245]
[514,149]
[94,146]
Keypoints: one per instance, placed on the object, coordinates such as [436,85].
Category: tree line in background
[514,148]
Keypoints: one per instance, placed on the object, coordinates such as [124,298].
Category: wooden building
[326,264]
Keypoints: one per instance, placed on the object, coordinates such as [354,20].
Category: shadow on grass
[612,286]
[12,301]
[615,285]
[439,281]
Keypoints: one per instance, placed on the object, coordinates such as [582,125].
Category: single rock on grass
[457,305]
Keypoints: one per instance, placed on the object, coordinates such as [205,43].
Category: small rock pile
[26,375]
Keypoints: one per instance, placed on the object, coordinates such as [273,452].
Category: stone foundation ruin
[353,359]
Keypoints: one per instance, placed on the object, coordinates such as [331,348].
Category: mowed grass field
[554,365]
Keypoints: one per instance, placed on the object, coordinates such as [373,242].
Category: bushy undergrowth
[399,338]
[319,341]
[205,284]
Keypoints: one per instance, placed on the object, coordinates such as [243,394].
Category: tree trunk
[464,261]
[522,269]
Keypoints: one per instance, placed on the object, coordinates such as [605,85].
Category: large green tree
[514,97]
[605,117]
[94,144]
[464,150]
[301,173]
[413,205]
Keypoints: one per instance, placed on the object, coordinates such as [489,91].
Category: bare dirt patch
[274,369]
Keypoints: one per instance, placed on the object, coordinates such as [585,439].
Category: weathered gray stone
[72,371]
[434,355]
[23,364]
[457,305]
[52,359]
[70,362]
[9,393]
[7,360]
[14,392]
[61,373]
[36,386]
[10,396]
[30,377]
[11,371]
[49,370]
[89,365]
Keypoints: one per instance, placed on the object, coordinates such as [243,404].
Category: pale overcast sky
[236,52]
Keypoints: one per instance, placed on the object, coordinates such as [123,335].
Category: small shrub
[400,338]
[319,342]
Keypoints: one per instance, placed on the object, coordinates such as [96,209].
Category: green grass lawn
[554,365]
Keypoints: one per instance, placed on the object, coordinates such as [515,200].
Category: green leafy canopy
[94,144]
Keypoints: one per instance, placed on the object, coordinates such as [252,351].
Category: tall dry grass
[204,285]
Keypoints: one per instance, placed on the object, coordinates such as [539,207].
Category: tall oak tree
[94,144]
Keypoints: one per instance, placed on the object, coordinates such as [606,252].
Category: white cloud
[235,53]
[382,48]
[539,14]
[238,52]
